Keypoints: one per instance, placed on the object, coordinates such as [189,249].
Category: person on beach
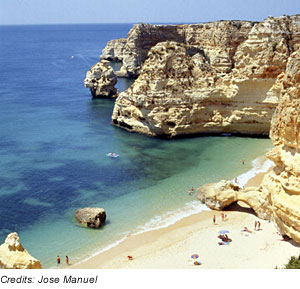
[67,260]
[255,224]
[222,216]
[235,180]
[214,219]
[58,260]
[258,226]
[226,238]
[246,230]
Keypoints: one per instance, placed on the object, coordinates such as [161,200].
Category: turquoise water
[53,144]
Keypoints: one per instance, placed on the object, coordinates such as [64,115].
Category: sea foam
[171,217]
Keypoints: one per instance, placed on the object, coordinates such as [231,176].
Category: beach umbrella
[222,232]
[195,256]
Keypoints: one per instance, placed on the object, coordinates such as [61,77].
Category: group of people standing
[58,260]
[223,217]
[257,226]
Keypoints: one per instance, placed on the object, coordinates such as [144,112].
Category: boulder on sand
[91,217]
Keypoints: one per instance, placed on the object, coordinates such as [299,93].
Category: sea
[54,139]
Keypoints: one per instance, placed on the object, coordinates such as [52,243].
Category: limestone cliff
[278,197]
[14,256]
[114,50]
[218,196]
[210,78]
[283,183]
[179,92]
[219,40]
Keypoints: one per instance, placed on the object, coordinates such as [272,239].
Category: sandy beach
[173,246]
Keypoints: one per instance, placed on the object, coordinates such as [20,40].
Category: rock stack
[101,80]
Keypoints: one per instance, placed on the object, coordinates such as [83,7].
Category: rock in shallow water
[101,80]
[91,217]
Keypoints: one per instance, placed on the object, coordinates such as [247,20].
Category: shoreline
[155,248]
[172,247]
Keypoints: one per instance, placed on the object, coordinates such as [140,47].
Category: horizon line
[138,22]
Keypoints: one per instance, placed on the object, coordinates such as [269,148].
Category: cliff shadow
[240,207]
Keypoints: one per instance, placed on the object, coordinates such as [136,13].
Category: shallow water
[54,139]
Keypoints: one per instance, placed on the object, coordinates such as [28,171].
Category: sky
[134,11]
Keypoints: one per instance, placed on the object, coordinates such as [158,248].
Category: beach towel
[223,243]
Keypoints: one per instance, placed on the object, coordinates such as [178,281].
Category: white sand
[172,247]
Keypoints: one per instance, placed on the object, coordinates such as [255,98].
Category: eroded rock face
[91,217]
[101,80]
[178,92]
[114,49]
[14,256]
[284,182]
[211,78]
[278,197]
[218,196]
[258,47]
[269,44]
[218,39]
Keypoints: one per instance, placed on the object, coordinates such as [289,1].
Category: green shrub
[294,263]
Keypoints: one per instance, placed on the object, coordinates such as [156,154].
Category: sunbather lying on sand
[246,230]
[224,238]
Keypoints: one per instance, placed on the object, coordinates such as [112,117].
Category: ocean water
[53,144]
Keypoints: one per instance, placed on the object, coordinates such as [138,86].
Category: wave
[110,246]
[171,217]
